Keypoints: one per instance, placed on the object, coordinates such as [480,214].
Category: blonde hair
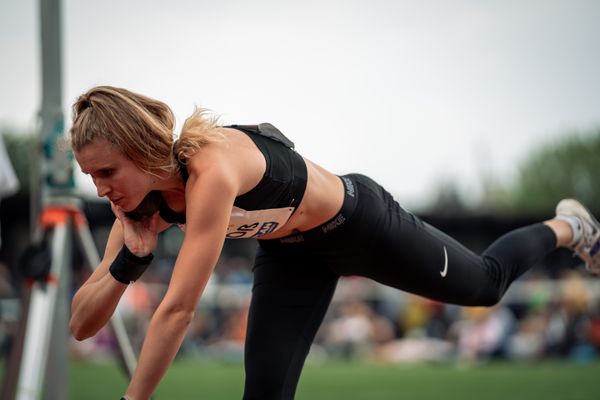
[198,130]
[139,126]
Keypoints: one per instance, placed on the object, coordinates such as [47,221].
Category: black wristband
[127,267]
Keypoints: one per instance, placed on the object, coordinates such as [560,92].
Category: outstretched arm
[209,199]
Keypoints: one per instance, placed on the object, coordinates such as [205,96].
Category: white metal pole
[39,322]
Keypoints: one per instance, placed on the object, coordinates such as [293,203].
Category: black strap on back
[267,130]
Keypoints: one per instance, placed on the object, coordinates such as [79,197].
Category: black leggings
[372,236]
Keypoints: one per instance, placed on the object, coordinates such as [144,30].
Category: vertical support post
[56,385]
[40,321]
[57,166]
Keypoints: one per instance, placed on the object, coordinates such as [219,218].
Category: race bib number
[253,224]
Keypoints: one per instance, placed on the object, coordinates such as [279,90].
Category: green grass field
[189,380]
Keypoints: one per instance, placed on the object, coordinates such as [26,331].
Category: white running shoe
[588,230]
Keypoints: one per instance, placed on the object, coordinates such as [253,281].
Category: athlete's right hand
[140,237]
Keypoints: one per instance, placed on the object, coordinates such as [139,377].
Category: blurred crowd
[538,318]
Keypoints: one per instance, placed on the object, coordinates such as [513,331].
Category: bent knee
[490,301]
[489,297]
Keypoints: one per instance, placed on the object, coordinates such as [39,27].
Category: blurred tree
[20,147]
[447,200]
[568,167]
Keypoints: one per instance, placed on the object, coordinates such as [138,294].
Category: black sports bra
[267,206]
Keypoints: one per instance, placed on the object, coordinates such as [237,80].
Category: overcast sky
[412,93]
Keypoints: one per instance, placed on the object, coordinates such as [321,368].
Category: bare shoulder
[214,160]
[235,158]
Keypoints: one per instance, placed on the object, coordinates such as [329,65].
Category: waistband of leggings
[333,224]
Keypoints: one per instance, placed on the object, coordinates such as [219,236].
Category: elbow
[178,315]
[79,330]
[78,333]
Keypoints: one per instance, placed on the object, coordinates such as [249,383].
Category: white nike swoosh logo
[445,270]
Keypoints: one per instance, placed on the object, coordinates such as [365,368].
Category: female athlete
[312,227]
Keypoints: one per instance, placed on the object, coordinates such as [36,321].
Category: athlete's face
[114,174]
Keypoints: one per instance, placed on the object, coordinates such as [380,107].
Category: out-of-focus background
[477,116]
